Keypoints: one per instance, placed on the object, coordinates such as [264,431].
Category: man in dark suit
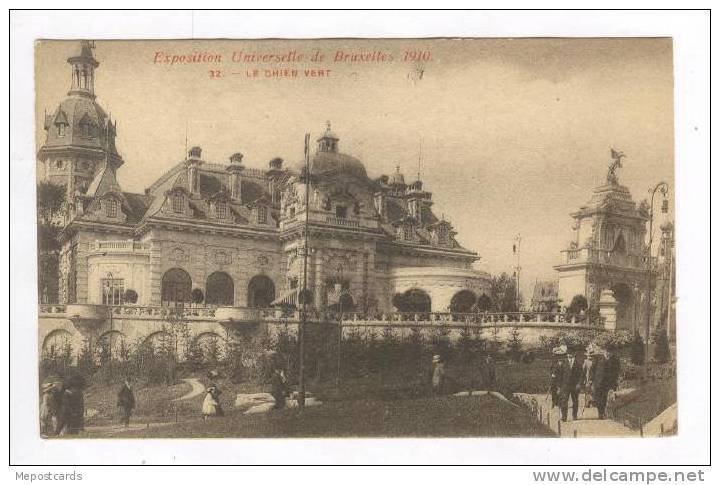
[570,379]
[604,377]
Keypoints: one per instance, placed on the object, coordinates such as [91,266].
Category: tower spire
[83,66]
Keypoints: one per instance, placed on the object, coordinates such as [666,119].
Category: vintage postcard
[448,237]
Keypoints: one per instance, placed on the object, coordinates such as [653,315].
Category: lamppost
[661,187]
[636,295]
[109,288]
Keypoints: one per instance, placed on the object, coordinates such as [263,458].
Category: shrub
[131,296]
[514,345]
[197,296]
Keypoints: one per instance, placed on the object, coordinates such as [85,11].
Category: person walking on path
[72,407]
[488,373]
[438,376]
[558,352]
[570,381]
[210,403]
[603,379]
[279,388]
[126,403]
[49,409]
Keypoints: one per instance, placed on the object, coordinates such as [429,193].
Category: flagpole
[517,271]
[303,314]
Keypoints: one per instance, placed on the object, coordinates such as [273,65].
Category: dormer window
[177,203]
[111,208]
[61,129]
[262,215]
[221,210]
[407,233]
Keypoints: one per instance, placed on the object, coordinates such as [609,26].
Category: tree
[578,304]
[637,349]
[50,205]
[514,344]
[503,293]
[484,303]
[131,296]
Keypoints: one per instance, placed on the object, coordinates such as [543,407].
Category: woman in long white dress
[210,404]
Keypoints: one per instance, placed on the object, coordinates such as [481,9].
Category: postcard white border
[690,31]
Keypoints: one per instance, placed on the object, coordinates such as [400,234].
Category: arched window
[261,292]
[220,289]
[462,301]
[414,300]
[176,287]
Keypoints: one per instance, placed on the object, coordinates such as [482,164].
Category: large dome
[85,124]
[336,162]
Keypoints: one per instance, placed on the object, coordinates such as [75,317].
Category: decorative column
[608,309]
[234,170]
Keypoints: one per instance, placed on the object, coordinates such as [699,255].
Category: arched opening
[413,301]
[462,301]
[176,287]
[209,348]
[261,292]
[220,289]
[112,344]
[159,344]
[626,310]
[57,344]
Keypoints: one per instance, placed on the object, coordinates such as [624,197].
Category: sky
[510,135]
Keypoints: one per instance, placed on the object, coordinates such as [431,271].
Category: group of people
[62,407]
[211,406]
[486,375]
[597,372]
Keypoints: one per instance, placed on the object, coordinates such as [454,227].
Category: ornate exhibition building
[211,234]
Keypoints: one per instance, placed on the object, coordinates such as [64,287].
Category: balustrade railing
[244,314]
[51,308]
[119,246]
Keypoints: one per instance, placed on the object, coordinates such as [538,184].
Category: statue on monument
[616,157]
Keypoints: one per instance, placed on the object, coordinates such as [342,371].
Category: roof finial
[328,125]
[419,159]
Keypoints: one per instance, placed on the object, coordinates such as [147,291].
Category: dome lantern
[83,65]
[329,141]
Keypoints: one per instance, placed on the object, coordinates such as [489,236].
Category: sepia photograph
[353,238]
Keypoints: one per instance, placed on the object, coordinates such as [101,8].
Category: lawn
[152,402]
[424,417]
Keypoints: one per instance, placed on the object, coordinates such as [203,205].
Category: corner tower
[79,135]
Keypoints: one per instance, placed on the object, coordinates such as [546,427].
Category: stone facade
[607,256]
[227,235]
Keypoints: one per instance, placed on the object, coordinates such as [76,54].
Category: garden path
[197,389]
[587,425]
